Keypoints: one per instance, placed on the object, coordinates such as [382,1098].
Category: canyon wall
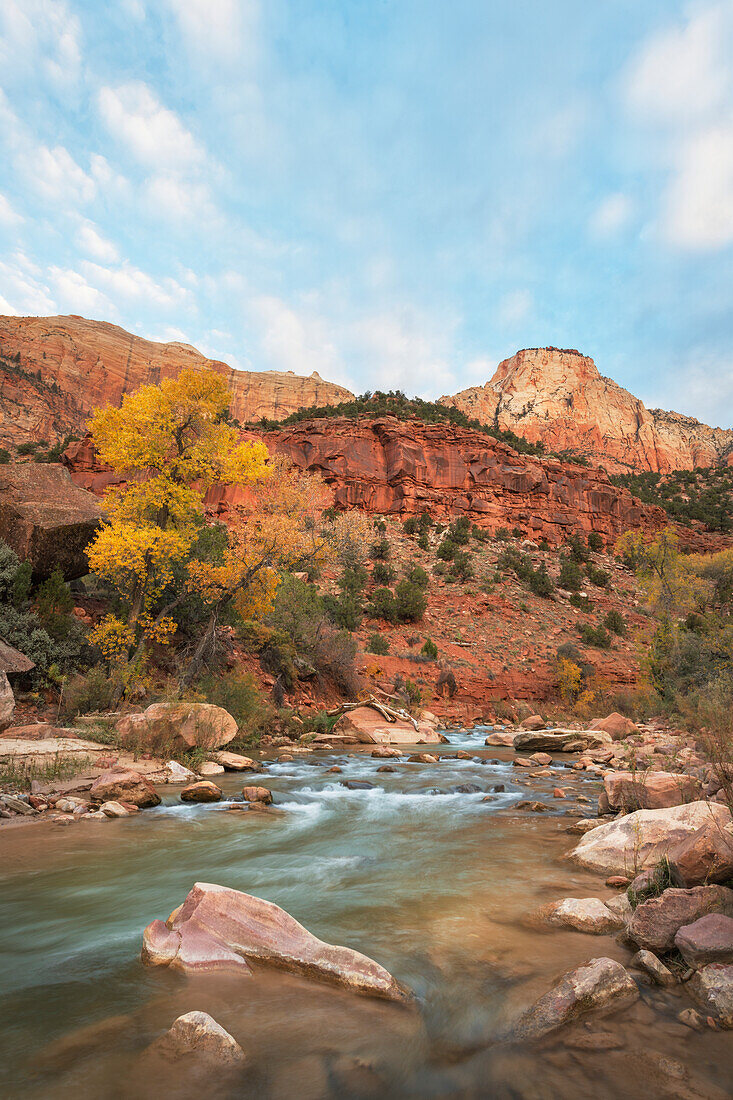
[558,397]
[56,370]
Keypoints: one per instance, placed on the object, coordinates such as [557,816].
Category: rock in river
[655,922]
[647,790]
[581,914]
[560,740]
[705,856]
[257,794]
[219,929]
[203,791]
[600,986]
[124,785]
[198,1033]
[638,840]
[712,987]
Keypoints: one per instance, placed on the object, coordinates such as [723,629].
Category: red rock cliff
[58,369]
[559,398]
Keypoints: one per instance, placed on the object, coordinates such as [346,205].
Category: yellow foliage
[113,637]
[668,577]
[569,680]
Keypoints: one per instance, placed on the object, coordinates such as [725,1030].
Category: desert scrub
[17,776]
[378,644]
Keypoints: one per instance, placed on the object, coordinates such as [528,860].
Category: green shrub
[423,541]
[89,692]
[581,602]
[595,542]
[540,582]
[460,531]
[595,635]
[447,549]
[410,602]
[571,576]
[4,456]
[242,697]
[502,534]
[380,550]
[411,526]
[461,568]
[417,575]
[598,577]
[378,644]
[383,573]
[578,548]
[382,605]
[614,621]
[429,649]
[544,546]
[517,533]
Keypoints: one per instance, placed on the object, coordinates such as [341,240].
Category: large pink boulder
[124,785]
[220,929]
[616,724]
[165,727]
[366,726]
[705,856]
[647,791]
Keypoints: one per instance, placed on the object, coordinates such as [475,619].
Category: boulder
[705,856]
[198,1033]
[384,751]
[560,740]
[422,758]
[541,758]
[707,940]
[114,809]
[616,724]
[219,929]
[712,988]
[164,726]
[46,519]
[7,702]
[600,986]
[654,968]
[124,785]
[534,722]
[629,791]
[174,772]
[641,839]
[501,738]
[655,922]
[203,791]
[257,794]
[582,915]
[233,762]
[210,767]
[367,726]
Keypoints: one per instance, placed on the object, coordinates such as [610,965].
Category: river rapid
[436,884]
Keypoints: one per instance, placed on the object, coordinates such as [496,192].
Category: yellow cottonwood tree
[170,442]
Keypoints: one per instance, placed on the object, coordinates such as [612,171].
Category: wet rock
[174,772]
[620,906]
[690,1018]
[707,940]
[560,740]
[198,1033]
[521,762]
[7,702]
[467,788]
[183,725]
[600,986]
[336,770]
[533,807]
[124,785]
[383,768]
[559,793]
[705,856]
[629,791]
[463,755]
[541,758]
[210,767]
[386,751]
[712,988]
[217,928]
[233,762]
[651,965]
[257,794]
[655,922]
[589,915]
[497,738]
[114,809]
[586,825]
[203,791]
[617,725]
[422,758]
[618,882]
[497,787]
[631,843]
[357,784]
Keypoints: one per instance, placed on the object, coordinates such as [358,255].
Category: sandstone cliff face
[387,466]
[84,364]
[559,398]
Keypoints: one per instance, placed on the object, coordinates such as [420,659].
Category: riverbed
[437,884]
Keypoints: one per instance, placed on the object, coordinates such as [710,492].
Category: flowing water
[435,884]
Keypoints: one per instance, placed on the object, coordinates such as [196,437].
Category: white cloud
[154,134]
[78,296]
[22,291]
[131,284]
[55,175]
[8,216]
[296,341]
[40,35]
[611,215]
[514,307]
[179,199]
[92,242]
[218,29]
[681,85]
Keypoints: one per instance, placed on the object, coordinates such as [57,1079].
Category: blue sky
[396,193]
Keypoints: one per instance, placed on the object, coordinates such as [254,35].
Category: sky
[395,193]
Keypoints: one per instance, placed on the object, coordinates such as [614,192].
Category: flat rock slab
[631,843]
[220,929]
[27,748]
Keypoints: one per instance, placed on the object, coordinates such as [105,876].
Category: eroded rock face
[219,929]
[655,923]
[638,840]
[599,987]
[93,363]
[559,397]
[630,791]
[123,785]
[178,725]
[45,518]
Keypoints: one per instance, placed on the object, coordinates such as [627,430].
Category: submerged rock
[651,965]
[600,986]
[198,1033]
[124,785]
[631,843]
[219,929]
[712,988]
